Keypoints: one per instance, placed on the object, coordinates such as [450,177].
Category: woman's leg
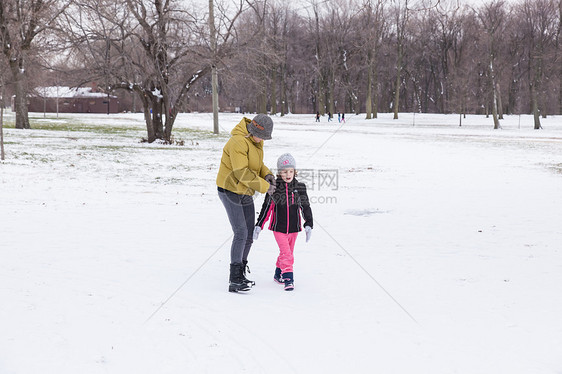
[250,219]
[239,209]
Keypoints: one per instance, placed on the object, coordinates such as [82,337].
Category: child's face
[287,174]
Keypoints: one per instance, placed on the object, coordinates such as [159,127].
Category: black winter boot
[277,276]
[237,279]
[244,268]
[289,282]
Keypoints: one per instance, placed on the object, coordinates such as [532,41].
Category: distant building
[59,99]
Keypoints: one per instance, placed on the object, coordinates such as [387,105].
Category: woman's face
[287,174]
[256,139]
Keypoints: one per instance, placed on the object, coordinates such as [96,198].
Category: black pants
[241,214]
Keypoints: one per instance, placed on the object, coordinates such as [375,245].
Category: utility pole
[214,75]
[107,47]
[2,155]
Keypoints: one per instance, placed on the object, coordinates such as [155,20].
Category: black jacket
[285,207]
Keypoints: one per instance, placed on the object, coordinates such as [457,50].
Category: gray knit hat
[261,126]
[286,161]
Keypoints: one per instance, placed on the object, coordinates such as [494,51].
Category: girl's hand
[257,231]
[308,231]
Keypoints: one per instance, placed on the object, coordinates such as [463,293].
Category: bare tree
[449,27]
[283,45]
[319,57]
[258,44]
[214,74]
[2,96]
[429,55]
[20,23]
[492,17]
[374,23]
[538,22]
[157,49]
[401,18]
[160,33]
[2,91]
[333,26]
[220,31]
[558,59]
[449,59]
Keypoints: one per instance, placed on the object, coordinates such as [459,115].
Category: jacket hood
[242,129]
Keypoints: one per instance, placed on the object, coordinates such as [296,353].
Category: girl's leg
[286,243]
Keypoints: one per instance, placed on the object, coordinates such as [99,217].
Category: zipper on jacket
[287,195]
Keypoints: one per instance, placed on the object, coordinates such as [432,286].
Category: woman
[242,173]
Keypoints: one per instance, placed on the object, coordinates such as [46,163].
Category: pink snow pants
[286,243]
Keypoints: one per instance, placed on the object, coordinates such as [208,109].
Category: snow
[437,250]
[68,92]
[157,93]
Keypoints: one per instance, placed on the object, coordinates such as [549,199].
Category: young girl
[285,207]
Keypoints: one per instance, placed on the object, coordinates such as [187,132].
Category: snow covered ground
[436,249]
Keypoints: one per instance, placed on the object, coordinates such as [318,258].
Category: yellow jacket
[242,170]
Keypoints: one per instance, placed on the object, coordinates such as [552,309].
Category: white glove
[308,231]
[257,231]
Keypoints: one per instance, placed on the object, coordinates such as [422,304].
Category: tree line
[354,56]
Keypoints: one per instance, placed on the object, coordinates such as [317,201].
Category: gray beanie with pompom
[286,161]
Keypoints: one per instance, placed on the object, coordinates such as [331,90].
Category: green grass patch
[557,168]
[73,124]
[7,124]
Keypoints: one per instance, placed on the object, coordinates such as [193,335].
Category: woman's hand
[271,189]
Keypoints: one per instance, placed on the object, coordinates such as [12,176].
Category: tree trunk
[535,105]
[283,92]
[331,89]
[494,94]
[512,95]
[20,83]
[560,88]
[535,94]
[376,93]
[147,118]
[273,91]
[262,100]
[369,98]
[215,89]
[157,125]
[214,74]
[500,104]
[559,51]
[170,120]
[2,155]
[495,110]
[536,115]
[356,104]
[397,84]
[543,105]
[320,97]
